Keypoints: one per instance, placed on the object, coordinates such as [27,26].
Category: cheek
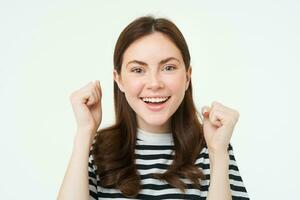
[176,85]
[133,87]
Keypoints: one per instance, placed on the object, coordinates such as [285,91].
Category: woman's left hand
[218,125]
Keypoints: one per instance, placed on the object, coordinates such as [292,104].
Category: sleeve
[92,175]
[238,189]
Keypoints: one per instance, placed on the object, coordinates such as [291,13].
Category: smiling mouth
[155,101]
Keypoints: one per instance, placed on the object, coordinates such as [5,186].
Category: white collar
[154,137]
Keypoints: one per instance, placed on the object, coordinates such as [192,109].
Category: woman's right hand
[86,104]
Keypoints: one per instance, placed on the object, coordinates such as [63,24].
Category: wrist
[83,137]
[220,157]
[218,150]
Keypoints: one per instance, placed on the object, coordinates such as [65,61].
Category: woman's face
[154,80]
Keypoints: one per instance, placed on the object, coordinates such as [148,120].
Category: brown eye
[136,70]
[169,68]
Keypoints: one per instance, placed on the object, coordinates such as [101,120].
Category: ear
[118,80]
[188,77]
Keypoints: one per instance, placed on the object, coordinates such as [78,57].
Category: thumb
[205,112]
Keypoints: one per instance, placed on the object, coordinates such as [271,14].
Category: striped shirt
[154,153]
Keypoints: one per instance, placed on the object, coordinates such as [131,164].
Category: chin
[156,122]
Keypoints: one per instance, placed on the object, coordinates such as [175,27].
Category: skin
[86,104]
[154,79]
[218,125]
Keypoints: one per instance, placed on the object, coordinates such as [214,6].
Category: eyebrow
[160,63]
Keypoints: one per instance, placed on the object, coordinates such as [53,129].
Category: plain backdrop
[244,54]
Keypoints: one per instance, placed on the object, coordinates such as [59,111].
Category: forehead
[151,49]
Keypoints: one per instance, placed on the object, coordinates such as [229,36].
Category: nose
[154,82]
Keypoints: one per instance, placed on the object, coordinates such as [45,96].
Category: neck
[160,128]
[165,128]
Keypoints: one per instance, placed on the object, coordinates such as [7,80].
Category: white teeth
[155,100]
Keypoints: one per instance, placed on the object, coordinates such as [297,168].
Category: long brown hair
[114,147]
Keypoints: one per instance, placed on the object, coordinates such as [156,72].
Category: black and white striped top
[154,155]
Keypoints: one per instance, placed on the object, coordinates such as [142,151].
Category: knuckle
[94,87]
[236,113]
[216,104]
[72,96]
[213,103]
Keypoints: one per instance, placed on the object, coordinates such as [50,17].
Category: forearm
[75,183]
[219,179]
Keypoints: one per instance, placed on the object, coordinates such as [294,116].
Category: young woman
[157,147]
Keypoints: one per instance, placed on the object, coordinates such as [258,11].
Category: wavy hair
[114,146]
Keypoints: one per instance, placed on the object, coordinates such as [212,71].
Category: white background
[245,54]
